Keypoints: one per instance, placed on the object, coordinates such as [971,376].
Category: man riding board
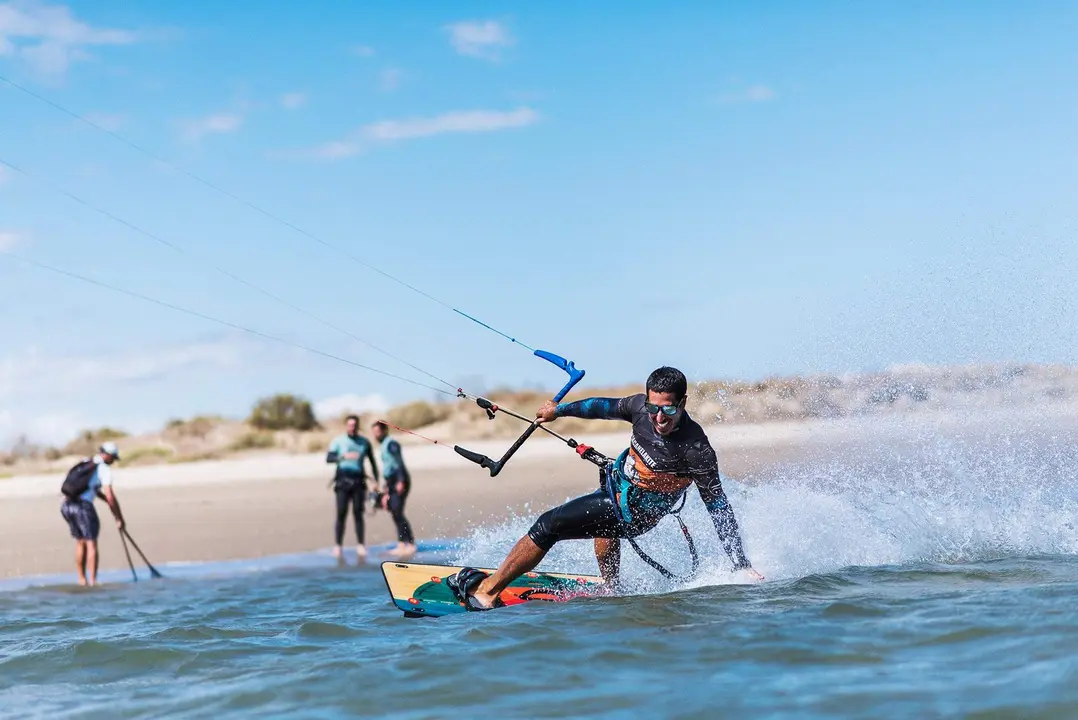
[668,452]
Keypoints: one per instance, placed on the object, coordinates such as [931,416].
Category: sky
[733,189]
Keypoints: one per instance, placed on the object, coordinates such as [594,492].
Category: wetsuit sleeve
[597,408]
[718,507]
[374,466]
[722,515]
[333,454]
[395,462]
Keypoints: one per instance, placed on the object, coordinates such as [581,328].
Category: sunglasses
[654,409]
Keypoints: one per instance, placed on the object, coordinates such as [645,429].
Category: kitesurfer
[668,451]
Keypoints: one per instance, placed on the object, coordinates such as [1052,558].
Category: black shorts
[625,513]
[81,518]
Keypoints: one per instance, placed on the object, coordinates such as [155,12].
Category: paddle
[153,570]
[128,554]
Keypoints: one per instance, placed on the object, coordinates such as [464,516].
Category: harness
[610,478]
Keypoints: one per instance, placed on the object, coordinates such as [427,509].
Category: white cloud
[467,121]
[216,124]
[31,372]
[51,428]
[10,239]
[362,51]
[480,39]
[335,407]
[390,79]
[293,100]
[49,37]
[336,149]
[111,122]
[752,94]
[38,391]
[472,121]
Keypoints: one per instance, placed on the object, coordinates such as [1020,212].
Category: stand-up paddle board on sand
[420,590]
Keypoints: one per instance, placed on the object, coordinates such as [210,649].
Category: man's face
[378,431]
[658,405]
[350,426]
[108,458]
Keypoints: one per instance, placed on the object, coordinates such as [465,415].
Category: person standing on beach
[350,481]
[81,515]
[398,483]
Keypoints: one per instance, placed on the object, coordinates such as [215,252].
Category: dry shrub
[283,412]
[147,455]
[88,441]
[253,441]
[418,414]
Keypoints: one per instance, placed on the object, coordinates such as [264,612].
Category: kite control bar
[495,467]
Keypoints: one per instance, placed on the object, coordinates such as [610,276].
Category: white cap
[110,448]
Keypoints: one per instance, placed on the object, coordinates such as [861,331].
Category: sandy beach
[278,503]
[268,505]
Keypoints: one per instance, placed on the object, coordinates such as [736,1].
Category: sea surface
[924,578]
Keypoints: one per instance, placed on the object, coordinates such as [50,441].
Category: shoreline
[269,505]
[259,466]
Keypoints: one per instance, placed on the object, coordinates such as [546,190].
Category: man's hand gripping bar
[495,467]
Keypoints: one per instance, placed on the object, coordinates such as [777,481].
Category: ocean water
[922,578]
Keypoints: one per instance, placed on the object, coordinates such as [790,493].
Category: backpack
[78,479]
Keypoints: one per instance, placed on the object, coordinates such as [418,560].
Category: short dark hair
[352,417]
[668,380]
[380,424]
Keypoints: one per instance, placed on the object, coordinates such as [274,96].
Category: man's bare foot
[82,581]
[337,551]
[484,599]
[402,551]
[361,551]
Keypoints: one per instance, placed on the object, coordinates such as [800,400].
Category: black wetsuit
[350,482]
[644,483]
[396,472]
[349,489]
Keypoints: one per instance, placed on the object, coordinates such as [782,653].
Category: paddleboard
[419,590]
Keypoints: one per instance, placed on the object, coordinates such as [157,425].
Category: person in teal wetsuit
[350,481]
[398,483]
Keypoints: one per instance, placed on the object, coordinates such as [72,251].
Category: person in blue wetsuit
[668,451]
[398,483]
[350,481]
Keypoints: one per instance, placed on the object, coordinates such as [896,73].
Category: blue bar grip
[575,375]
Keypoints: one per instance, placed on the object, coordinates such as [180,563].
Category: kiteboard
[420,590]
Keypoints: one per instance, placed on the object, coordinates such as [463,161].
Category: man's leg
[93,523]
[524,556]
[80,560]
[589,516]
[608,555]
[342,513]
[91,560]
[405,538]
[358,497]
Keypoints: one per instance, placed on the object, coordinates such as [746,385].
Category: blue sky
[734,190]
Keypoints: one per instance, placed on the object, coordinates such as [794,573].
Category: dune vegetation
[287,423]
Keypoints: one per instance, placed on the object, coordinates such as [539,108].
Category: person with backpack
[83,484]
